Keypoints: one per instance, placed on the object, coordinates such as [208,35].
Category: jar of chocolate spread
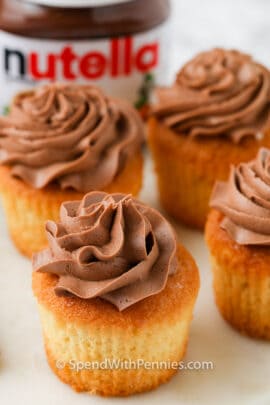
[119,45]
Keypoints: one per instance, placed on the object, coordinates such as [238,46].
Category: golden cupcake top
[245,201]
[110,246]
[217,93]
[72,135]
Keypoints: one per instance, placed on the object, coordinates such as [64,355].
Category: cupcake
[238,236]
[217,113]
[115,294]
[59,142]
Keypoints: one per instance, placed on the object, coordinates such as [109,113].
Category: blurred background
[202,24]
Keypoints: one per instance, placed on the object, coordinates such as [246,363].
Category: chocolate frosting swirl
[70,134]
[245,201]
[218,93]
[110,246]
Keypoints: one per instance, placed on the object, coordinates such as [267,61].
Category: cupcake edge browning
[187,168]
[148,325]
[241,279]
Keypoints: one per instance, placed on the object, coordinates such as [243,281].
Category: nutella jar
[119,45]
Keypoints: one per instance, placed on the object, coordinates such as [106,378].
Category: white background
[241,365]
[201,24]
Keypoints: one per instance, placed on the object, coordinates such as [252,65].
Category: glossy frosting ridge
[217,93]
[110,246]
[69,134]
[245,201]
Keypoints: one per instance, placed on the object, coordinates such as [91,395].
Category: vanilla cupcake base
[187,168]
[98,345]
[241,278]
[27,209]
[154,330]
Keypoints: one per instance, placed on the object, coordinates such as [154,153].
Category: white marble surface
[241,365]
[202,24]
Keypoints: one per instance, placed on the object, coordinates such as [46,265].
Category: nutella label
[126,67]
